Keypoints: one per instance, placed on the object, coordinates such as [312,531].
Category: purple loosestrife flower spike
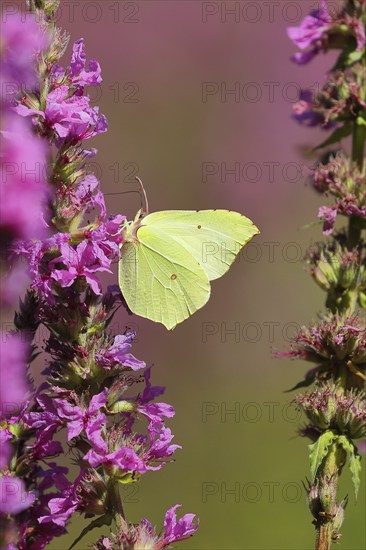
[336,407]
[57,224]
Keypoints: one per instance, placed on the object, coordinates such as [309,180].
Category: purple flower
[72,117]
[311,28]
[124,459]
[309,35]
[316,31]
[156,412]
[46,423]
[21,39]
[14,497]
[45,447]
[33,252]
[64,506]
[150,391]
[57,75]
[22,180]
[90,419]
[78,72]
[88,195]
[46,415]
[174,530]
[303,110]
[118,354]
[85,261]
[143,535]
[108,236]
[328,215]
[61,510]
[13,385]
[160,439]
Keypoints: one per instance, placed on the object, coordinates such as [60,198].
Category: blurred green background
[158,60]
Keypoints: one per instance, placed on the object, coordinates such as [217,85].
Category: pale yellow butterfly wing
[161,281]
[213,237]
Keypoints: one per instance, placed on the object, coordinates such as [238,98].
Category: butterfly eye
[199,226]
[173,277]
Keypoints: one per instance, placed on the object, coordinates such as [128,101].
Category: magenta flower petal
[328,215]
[98,402]
[79,74]
[178,530]
[157,411]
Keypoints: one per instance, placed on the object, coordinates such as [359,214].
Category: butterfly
[168,259]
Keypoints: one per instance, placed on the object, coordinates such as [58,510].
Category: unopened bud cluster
[340,272]
[336,345]
[329,407]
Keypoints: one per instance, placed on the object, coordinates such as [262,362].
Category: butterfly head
[130,228]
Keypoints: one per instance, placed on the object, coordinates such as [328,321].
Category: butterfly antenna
[122,193]
[144,207]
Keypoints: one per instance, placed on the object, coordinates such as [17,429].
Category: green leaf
[355,469]
[354,56]
[336,136]
[319,450]
[354,460]
[308,380]
[98,522]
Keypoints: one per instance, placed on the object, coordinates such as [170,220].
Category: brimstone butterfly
[168,259]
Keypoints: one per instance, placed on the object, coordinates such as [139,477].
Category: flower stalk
[88,390]
[336,408]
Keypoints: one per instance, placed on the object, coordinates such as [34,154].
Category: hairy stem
[327,481]
[328,477]
[323,537]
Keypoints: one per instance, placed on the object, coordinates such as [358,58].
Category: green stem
[118,511]
[327,480]
[358,144]
[328,476]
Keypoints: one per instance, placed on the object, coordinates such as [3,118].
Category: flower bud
[337,270]
[313,500]
[329,407]
[50,6]
[351,414]
[59,41]
[92,492]
[338,518]
[122,407]
[327,495]
[319,406]
[334,340]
